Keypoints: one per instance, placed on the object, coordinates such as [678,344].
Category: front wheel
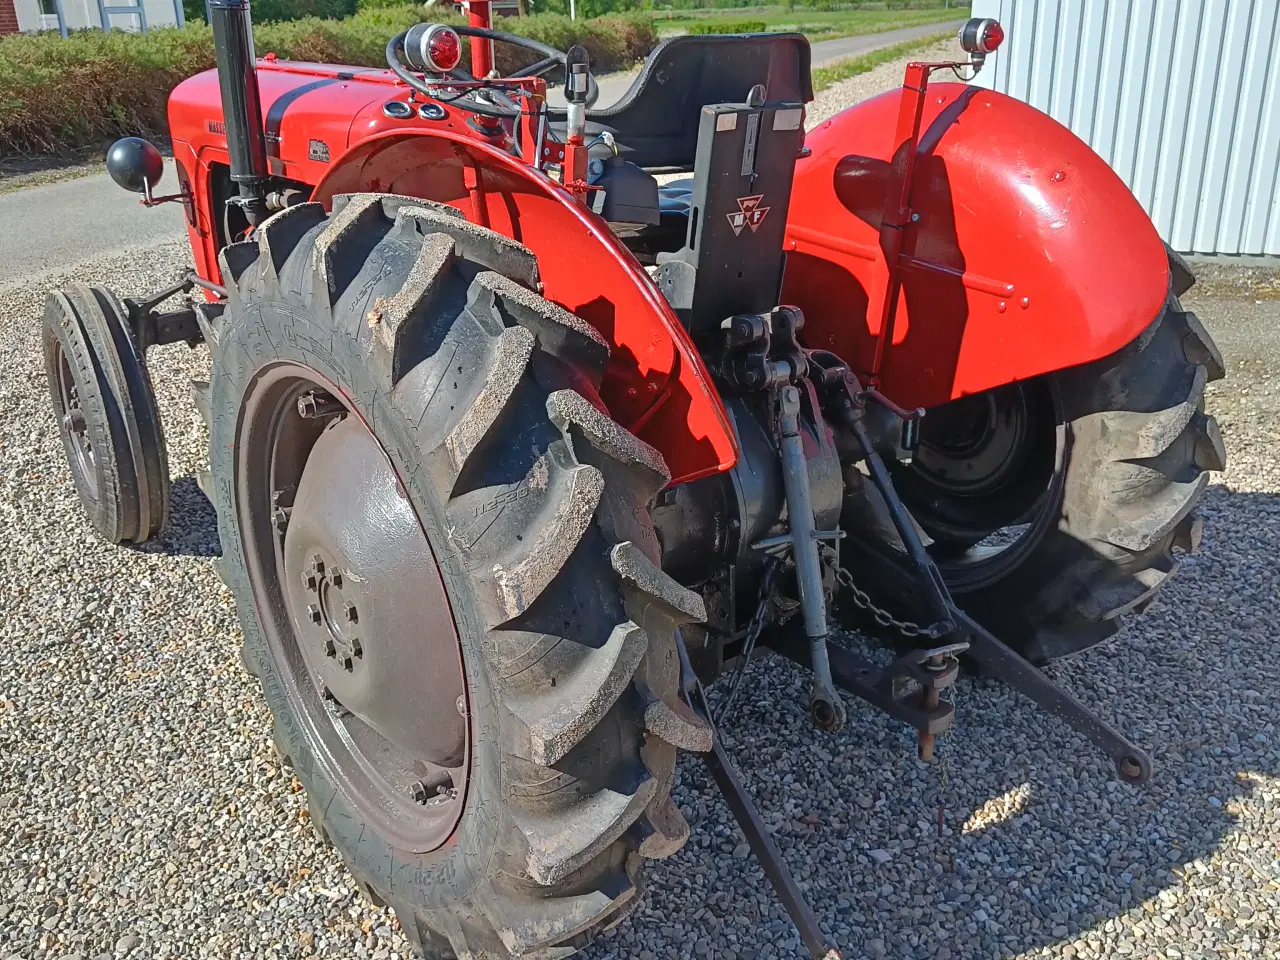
[1057,505]
[107,414]
[443,561]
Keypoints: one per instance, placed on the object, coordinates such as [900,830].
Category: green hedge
[729,26]
[61,95]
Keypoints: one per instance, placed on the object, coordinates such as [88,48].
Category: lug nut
[316,565]
[350,612]
[329,649]
[347,663]
[335,578]
[309,581]
[313,405]
[357,651]
[418,791]
[280,518]
[74,421]
[314,614]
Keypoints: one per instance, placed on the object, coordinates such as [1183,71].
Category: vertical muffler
[241,104]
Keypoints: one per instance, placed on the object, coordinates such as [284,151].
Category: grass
[815,24]
[824,77]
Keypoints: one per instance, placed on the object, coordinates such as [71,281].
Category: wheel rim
[986,483]
[353,607]
[74,426]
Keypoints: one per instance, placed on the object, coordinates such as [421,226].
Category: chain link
[883,617]
[749,639]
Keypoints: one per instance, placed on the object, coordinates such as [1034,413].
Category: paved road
[614,85]
[46,228]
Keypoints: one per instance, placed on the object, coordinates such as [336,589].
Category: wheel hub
[75,425]
[369,607]
[333,619]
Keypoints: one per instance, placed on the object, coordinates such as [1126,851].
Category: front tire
[1093,504]
[423,338]
[107,415]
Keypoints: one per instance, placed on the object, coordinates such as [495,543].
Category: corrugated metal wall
[1181,97]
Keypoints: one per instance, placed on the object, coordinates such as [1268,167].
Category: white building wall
[83,15]
[1181,97]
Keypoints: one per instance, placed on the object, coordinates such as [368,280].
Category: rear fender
[1029,255]
[656,384]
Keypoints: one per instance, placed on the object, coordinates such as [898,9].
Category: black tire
[107,416]
[1121,457]
[569,655]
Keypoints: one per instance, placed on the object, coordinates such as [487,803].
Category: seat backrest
[657,118]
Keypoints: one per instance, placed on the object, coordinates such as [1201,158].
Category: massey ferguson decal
[750,214]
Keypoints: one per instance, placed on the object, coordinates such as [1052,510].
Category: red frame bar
[481,49]
[898,215]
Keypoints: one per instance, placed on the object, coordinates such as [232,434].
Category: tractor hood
[312,113]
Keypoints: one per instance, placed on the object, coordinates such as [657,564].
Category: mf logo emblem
[749,214]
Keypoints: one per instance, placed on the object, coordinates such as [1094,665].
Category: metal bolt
[280,518]
[313,405]
[335,578]
[314,614]
[329,649]
[316,565]
[309,580]
[350,612]
[418,791]
[461,704]
[74,421]
[357,651]
[347,663]
[915,218]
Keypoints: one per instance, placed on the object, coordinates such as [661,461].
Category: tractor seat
[656,121]
[676,197]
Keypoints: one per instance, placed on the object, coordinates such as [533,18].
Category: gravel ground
[142,812]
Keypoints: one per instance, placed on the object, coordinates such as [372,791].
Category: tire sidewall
[257,335]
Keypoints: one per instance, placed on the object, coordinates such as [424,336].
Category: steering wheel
[487,101]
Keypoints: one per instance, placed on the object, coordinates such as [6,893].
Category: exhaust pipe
[241,104]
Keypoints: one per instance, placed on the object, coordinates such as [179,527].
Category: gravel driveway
[142,812]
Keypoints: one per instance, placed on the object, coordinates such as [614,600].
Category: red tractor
[513,449]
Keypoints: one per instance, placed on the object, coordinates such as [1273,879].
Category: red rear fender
[1029,254]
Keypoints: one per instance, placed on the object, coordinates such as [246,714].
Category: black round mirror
[135,164]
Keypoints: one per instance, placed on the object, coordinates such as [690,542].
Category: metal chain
[883,617]
[749,640]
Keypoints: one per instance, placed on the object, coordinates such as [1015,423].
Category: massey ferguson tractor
[514,450]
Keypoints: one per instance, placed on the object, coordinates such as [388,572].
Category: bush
[276,11]
[61,95]
[729,26]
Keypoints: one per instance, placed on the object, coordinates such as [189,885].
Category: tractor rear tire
[482,397]
[1109,484]
[107,415]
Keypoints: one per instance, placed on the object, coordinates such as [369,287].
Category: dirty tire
[535,503]
[1134,452]
[123,480]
